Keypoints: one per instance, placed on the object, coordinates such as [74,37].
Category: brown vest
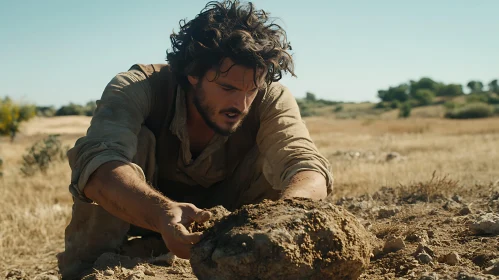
[164,89]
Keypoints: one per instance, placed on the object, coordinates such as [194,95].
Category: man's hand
[116,188]
[174,232]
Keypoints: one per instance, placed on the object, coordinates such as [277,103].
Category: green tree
[475,86]
[493,86]
[424,96]
[310,97]
[70,110]
[423,83]
[400,93]
[450,90]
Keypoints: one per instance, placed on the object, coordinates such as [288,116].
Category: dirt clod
[296,238]
[485,224]
[394,245]
[424,258]
[452,258]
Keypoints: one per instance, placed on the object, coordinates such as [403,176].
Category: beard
[208,113]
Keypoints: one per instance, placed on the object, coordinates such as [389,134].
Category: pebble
[494,269]
[424,258]
[15,273]
[384,213]
[466,276]
[466,210]
[393,245]
[457,198]
[168,258]
[487,223]
[452,258]
[429,276]
[109,272]
[149,272]
[424,249]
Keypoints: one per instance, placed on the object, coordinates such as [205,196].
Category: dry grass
[35,210]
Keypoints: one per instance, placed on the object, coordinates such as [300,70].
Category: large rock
[289,239]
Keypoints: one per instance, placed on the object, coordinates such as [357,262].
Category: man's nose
[240,101]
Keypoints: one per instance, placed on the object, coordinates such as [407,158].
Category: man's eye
[226,88]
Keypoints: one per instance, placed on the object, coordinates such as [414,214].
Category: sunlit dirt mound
[290,239]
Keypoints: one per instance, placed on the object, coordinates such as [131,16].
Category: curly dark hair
[229,29]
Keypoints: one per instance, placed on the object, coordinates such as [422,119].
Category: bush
[382,105]
[496,109]
[395,104]
[449,105]
[471,111]
[45,111]
[12,114]
[42,154]
[424,96]
[405,110]
[338,108]
[70,110]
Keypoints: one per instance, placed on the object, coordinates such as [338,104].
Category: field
[412,167]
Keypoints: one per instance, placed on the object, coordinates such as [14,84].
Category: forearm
[116,187]
[309,184]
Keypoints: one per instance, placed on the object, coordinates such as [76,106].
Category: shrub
[471,111]
[338,108]
[405,110]
[424,96]
[45,111]
[449,105]
[42,154]
[12,114]
[395,104]
[70,110]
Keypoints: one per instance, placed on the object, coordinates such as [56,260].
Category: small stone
[424,258]
[466,210]
[452,258]
[16,274]
[394,245]
[424,249]
[149,272]
[168,258]
[385,213]
[415,237]
[430,233]
[109,272]
[451,205]
[429,276]
[466,276]
[485,224]
[457,198]
[494,269]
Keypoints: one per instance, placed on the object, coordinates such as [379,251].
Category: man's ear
[193,80]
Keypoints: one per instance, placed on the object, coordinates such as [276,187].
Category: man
[213,127]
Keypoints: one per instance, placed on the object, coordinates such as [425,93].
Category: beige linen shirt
[282,139]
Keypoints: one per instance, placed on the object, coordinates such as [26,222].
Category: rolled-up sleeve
[285,141]
[112,135]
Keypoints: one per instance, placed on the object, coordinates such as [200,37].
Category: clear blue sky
[53,52]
